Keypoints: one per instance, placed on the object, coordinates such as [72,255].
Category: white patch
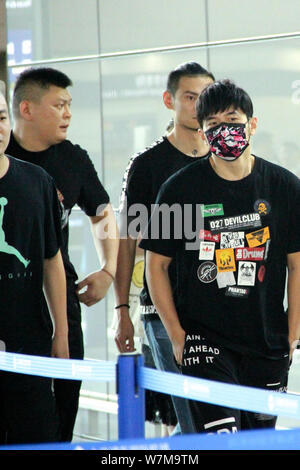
[232,240]
[225,279]
[247,271]
[207,250]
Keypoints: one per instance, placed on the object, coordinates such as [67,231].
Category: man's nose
[67,111]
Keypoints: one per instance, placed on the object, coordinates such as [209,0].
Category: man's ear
[168,99]
[202,135]
[25,110]
[252,125]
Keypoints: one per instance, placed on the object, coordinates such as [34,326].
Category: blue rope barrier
[220,393]
[73,369]
[243,440]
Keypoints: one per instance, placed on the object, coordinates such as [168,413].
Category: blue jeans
[162,352]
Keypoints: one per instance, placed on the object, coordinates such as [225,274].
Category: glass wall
[118,54]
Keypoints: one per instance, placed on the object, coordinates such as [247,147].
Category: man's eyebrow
[3,111]
[232,112]
[65,100]
[191,93]
[213,116]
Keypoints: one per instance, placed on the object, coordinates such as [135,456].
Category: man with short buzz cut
[145,174]
[32,277]
[42,115]
[228,322]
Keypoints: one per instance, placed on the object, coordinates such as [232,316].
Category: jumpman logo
[4,246]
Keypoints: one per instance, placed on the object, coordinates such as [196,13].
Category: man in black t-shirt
[145,174]
[41,109]
[228,321]
[30,265]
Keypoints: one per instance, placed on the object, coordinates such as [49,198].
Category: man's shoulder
[275,170]
[150,153]
[71,148]
[30,169]
[189,172]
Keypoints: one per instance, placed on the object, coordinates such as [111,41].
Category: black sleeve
[136,186]
[164,234]
[52,220]
[136,196]
[293,244]
[93,197]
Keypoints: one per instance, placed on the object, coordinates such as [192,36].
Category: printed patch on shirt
[236,222]
[212,210]
[225,279]
[207,272]
[232,239]
[261,273]
[138,274]
[207,250]
[247,271]
[268,242]
[249,254]
[237,292]
[262,207]
[259,237]
[225,260]
[207,235]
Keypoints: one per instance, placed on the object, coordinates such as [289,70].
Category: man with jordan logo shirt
[228,322]
[32,276]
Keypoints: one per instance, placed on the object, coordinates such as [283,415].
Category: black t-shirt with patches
[143,178]
[30,232]
[232,257]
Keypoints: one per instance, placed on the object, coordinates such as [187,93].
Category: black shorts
[203,359]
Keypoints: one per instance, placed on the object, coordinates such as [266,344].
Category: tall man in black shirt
[41,110]
[228,322]
[145,174]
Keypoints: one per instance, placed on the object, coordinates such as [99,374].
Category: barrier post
[131,397]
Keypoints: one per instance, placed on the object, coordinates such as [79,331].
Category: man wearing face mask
[228,322]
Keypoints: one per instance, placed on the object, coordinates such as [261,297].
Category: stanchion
[131,397]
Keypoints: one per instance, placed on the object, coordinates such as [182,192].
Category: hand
[97,285]
[293,345]
[178,345]
[60,347]
[124,332]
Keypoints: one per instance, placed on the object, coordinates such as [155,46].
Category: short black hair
[187,69]
[32,82]
[220,96]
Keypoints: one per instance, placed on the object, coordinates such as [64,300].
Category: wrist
[177,334]
[123,310]
[109,273]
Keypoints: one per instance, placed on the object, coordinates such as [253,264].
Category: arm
[162,297]
[293,300]
[55,293]
[124,331]
[106,239]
